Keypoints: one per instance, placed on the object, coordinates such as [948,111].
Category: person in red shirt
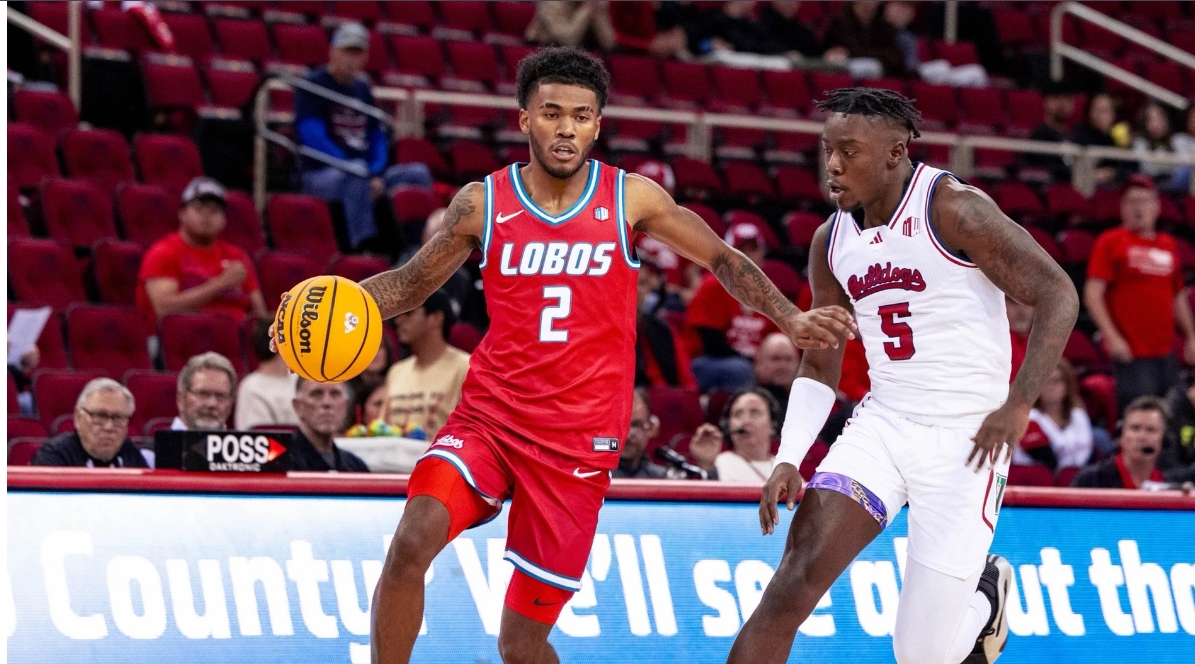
[724,334]
[194,270]
[1135,293]
[660,357]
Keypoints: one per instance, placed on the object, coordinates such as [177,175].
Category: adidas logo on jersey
[555,258]
[878,239]
[884,277]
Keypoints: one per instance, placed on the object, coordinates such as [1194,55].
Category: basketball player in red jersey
[548,394]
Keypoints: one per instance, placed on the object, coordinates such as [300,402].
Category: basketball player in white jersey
[924,260]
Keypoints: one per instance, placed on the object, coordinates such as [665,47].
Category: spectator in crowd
[193,270]
[369,402]
[1135,467]
[424,389]
[750,422]
[100,438]
[1099,121]
[379,367]
[1135,294]
[348,134]
[776,366]
[644,426]
[265,395]
[1020,321]
[660,357]
[1178,451]
[207,386]
[20,371]
[1183,143]
[724,335]
[461,286]
[860,37]
[581,24]
[322,409]
[900,15]
[682,22]
[735,28]
[682,275]
[788,33]
[1059,433]
[1057,105]
[1153,135]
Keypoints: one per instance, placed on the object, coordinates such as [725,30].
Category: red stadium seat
[1076,245]
[246,40]
[231,82]
[464,336]
[278,272]
[99,155]
[49,111]
[187,335]
[472,160]
[116,264]
[50,344]
[107,338]
[982,107]
[366,12]
[169,160]
[421,150]
[119,29]
[679,411]
[798,183]
[469,16]
[56,390]
[1066,476]
[53,15]
[1063,199]
[1013,26]
[192,37]
[785,277]
[417,14]
[1016,198]
[936,102]
[473,61]
[1030,476]
[1099,40]
[1099,397]
[379,53]
[512,18]
[76,211]
[22,450]
[746,179]
[1024,110]
[817,452]
[418,56]
[1105,205]
[30,155]
[687,81]
[22,427]
[18,225]
[709,215]
[171,83]
[635,76]
[243,225]
[787,91]
[413,205]
[1167,74]
[737,88]
[14,405]
[301,224]
[1082,353]
[1169,211]
[301,44]
[801,227]
[155,394]
[148,212]
[357,268]
[695,176]
[823,82]
[512,54]
[44,271]
[957,54]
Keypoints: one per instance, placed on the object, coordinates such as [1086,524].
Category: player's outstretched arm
[812,395]
[969,221]
[402,289]
[650,209]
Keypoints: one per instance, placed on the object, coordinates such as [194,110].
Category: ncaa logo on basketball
[601,214]
[280,326]
[311,303]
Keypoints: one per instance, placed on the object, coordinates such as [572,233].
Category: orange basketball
[328,329]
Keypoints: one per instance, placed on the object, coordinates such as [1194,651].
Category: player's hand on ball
[785,482]
[1000,430]
[823,327]
[273,348]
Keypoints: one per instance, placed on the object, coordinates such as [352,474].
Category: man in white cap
[348,134]
[193,270]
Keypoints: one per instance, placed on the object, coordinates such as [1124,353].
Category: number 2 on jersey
[563,307]
[903,348]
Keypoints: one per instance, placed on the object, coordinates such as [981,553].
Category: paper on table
[23,330]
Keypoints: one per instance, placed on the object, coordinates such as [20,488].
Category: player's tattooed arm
[402,289]
[650,209]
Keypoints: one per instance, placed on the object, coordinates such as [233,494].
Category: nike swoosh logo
[578,473]
[539,603]
[503,219]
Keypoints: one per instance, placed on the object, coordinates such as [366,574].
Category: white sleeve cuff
[809,405]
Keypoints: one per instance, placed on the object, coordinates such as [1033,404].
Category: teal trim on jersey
[620,207]
[546,576]
[591,185]
[487,230]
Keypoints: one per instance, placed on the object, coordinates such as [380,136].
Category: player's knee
[420,536]
[516,647]
[912,650]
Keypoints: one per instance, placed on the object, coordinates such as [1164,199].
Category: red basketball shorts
[554,506]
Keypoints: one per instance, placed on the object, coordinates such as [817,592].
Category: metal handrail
[699,128]
[1059,50]
[70,43]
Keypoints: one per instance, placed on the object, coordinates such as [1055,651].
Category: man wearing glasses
[206,391]
[100,438]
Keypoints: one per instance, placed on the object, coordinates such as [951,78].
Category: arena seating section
[85,202]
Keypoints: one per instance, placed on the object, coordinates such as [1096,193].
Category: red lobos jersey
[557,366]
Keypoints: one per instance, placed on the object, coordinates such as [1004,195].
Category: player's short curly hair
[570,66]
[874,102]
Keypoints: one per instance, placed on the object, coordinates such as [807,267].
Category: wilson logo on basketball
[311,303]
[884,277]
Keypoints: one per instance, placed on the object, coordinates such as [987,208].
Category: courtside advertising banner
[136,577]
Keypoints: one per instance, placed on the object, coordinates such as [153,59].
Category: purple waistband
[853,490]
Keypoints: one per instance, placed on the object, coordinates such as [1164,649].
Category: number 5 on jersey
[903,349]
[564,305]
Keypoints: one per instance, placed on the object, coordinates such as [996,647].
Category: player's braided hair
[570,66]
[873,102]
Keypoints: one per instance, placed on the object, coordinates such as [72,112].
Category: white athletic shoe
[994,583]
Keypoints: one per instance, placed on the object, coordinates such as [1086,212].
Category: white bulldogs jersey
[934,327]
